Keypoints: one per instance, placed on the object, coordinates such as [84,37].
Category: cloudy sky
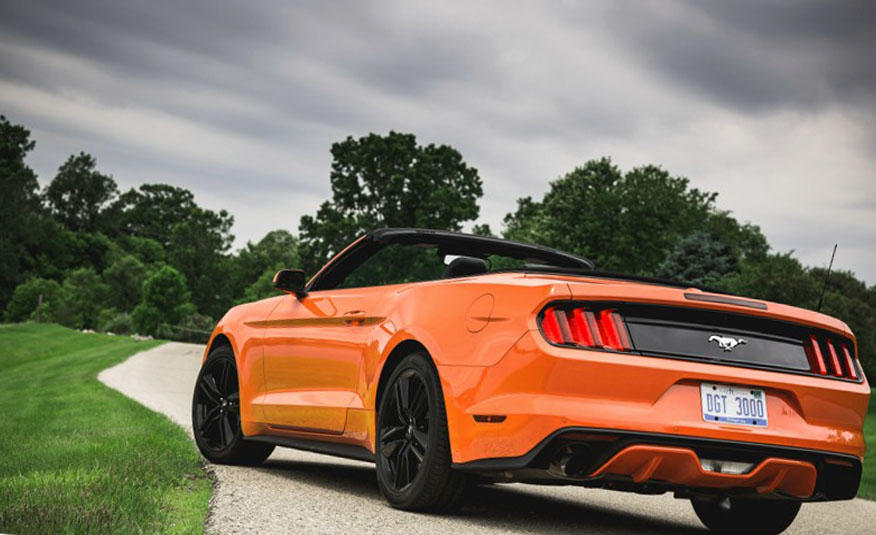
[771,104]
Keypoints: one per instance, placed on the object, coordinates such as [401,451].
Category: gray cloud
[769,103]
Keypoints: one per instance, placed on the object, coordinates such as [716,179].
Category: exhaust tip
[571,461]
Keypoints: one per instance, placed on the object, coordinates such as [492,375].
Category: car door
[313,353]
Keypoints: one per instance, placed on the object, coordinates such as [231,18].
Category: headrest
[464,266]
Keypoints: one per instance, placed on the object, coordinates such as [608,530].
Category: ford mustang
[448,358]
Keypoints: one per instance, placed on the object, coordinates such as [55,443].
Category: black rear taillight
[578,326]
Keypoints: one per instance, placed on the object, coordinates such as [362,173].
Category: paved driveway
[300,492]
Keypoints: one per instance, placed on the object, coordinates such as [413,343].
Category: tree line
[151,260]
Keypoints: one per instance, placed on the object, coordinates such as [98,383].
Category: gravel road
[299,492]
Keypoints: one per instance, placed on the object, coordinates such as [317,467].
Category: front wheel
[413,447]
[216,414]
[749,516]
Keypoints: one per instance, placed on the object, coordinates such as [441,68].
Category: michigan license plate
[733,404]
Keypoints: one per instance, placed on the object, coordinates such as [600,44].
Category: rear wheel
[216,413]
[749,516]
[413,447]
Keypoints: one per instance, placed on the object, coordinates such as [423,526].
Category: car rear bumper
[653,463]
[537,391]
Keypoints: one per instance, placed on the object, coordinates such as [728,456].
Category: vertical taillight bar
[834,359]
[850,362]
[607,329]
[622,333]
[551,327]
[818,357]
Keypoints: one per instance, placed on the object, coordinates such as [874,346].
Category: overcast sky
[770,104]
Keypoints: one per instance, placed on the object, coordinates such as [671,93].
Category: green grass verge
[78,457]
[868,481]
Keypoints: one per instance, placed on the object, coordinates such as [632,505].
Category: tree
[623,222]
[21,211]
[777,277]
[79,193]
[277,250]
[196,240]
[389,181]
[125,278]
[483,230]
[261,288]
[26,298]
[153,210]
[700,259]
[83,295]
[165,301]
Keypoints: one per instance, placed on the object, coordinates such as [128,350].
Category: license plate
[733,404]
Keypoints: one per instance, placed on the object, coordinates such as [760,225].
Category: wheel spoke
[420,455]
[420,403]
[420,438]
[210,385]
[228,432]
[223,382]
[390,433]
[207,391]
[222,437]
[404,392]
[409,465]
[389,449]
[401,468]
[210,418]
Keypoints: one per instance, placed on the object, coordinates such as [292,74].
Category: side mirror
[291,281]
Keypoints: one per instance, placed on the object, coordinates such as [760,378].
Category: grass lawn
[868,482]
[78,457]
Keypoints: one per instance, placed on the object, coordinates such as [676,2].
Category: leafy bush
[84,295]
[125,279]
[115,322]
[165,300]
[24,300]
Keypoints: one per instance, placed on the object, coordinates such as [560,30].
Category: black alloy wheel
[217,405]
[216,413]
[413,447]
[404,436]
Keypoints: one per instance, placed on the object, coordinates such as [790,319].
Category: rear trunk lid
[688,323]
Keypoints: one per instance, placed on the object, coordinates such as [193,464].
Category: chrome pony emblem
[726,343]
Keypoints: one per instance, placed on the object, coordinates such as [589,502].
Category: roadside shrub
[115,322]
[165,300]
[84,295]
[23,304]
[195,328]
[125,279]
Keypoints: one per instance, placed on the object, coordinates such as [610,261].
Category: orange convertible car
[447,358]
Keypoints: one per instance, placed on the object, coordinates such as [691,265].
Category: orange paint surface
[310,368]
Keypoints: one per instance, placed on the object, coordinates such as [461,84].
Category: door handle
[354,318]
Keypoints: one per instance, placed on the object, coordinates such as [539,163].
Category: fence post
[39,307]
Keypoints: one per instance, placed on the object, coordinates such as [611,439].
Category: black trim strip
[725,300]
[347,451]
[824,333]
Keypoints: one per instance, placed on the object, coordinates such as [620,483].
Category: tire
[216,414]
[412,446]
[749,516]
